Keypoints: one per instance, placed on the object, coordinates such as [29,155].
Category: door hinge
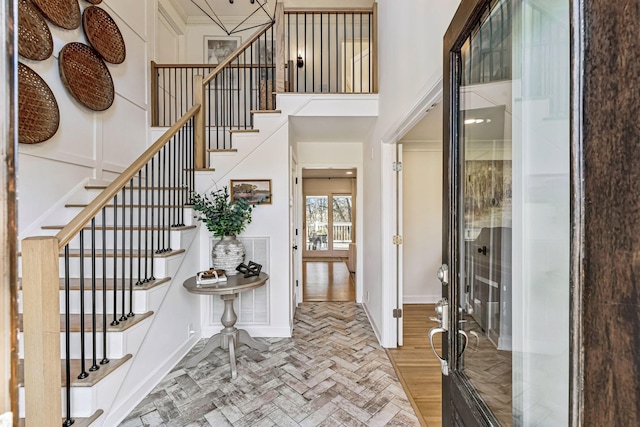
[397,239]
[296,231]
[297,283]
[296,179]
[397,166]
[397,313]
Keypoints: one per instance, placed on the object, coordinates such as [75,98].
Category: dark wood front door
[507,206]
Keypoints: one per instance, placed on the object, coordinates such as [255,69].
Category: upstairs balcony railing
[303,51]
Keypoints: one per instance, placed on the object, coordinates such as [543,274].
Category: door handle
[466,341]
[443,274]
[444,366]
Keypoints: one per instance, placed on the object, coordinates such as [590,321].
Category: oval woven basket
[38,113]
[63,13]
[34,37]
[94,1]
[103,34]
[86,76]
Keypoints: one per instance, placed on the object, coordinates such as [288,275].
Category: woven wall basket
[86,76]
[63,13]
[38,113]
[34,37]
[103,34]
[94,1]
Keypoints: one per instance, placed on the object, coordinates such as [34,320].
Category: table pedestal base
[229,338]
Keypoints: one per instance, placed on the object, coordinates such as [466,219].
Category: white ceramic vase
[227,254]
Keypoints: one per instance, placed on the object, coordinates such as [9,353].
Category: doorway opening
[329,265]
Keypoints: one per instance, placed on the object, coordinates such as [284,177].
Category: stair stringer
[172,331]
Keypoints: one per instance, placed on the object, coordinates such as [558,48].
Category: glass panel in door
[512,252]
[317,223]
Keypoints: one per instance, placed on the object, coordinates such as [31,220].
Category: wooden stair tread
[244,130]
[93,378]
[265,111]
[127,205]
[75,253]
[222,150]
[201,169]
[135,187]
[74,284]
[110,227]
[78,422]
[74,322]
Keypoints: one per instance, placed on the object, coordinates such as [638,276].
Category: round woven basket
[63,13]
[34,37]
[94,1]
[38,113]
[86,76]
[103,34]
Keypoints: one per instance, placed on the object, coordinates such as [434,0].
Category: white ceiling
[429,129]
[329,173]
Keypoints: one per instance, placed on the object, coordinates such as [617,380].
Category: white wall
[89,144]
[410,64]
[422,221]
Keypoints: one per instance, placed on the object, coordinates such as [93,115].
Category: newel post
[280,53]
[200,151]
[41,328]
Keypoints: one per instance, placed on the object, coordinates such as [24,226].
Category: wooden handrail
[237,53]
[91,210]
[318,11]
[185,65]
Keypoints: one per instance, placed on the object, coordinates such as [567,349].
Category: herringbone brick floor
[332,372]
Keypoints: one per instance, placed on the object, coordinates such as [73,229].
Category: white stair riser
[150,238]
[87,400]
[169,216]
[118,343]
[159,268]
[88,195]
[140,301]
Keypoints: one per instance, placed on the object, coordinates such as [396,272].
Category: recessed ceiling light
[349,173]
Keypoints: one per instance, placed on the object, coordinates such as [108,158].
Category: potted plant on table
[224,219]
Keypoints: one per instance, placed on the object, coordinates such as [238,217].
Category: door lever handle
[444,366]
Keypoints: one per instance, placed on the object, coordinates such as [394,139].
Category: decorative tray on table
[210,277]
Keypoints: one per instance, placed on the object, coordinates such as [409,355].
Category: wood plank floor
[416,365]
[327,281]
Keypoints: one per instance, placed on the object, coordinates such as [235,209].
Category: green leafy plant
[219,214]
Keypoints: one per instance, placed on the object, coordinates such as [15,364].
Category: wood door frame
[8,214]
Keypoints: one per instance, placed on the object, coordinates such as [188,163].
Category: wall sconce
[300,60]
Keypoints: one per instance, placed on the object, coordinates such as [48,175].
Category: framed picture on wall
[254,191]
[218,48]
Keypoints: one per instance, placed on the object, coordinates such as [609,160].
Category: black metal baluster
[139,282]
[151,226]
[115,322]
[370,56]
[104,360]
[344,51]
[67,337]
[147,276]
[123,282]
[131,246]
[83,372]
[321,53]
[177,109]
[297,53]
[329,52]
[94,325]
[337,54]
[353,52]
[305,52]
[360,52]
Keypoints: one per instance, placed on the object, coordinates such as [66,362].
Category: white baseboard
[117,414]
[420,299]
[373,325]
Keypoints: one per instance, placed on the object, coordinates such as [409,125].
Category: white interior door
[295,294]
[399,233]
